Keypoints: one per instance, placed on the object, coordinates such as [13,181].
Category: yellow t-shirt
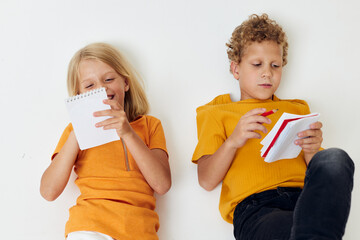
[248,173]
[115,198]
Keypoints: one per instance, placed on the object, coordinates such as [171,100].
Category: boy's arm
[213,168]
[57,175]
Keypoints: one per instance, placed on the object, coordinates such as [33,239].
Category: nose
[103,85]
[266,72]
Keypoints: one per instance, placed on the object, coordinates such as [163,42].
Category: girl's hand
[247,126]
[311,140]
[118,120]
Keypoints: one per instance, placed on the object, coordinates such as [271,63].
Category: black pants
[319,211]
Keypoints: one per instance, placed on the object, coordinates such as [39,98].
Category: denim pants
[318,211]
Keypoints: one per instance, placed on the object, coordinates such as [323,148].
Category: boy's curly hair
[255,29]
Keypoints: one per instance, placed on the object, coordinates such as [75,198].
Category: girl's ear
[127,86]
[235,69]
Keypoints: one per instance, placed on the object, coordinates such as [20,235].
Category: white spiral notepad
[81,109]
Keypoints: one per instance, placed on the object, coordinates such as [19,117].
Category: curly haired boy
[307,197]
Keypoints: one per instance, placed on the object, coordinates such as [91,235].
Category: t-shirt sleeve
[211,135]
[305,109]
[63,139]
[157,136]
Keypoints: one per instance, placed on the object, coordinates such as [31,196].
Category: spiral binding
[85,94]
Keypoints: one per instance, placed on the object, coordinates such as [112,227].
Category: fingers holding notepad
[118,119]
[311,139]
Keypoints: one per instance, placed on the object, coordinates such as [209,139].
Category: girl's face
[259,72]
[96,74]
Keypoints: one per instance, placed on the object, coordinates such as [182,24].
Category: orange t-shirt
[115,198]
[248,173]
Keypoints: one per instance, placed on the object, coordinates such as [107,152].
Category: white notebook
[81,109]
[279,142]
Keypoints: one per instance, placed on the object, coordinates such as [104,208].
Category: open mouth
[110,97]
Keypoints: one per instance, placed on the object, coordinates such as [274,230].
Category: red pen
[269,112]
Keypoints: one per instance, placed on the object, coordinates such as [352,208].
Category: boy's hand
[246,127]
[118,120]
[311,142]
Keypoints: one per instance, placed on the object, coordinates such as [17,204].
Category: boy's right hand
[247,126]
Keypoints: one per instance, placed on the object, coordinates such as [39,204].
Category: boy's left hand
[311,140]
[118,120]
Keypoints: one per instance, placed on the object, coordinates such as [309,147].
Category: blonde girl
[117,180]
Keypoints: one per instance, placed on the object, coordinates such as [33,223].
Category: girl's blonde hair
[135,102]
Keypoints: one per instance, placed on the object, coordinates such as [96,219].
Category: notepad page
[81,109]
[270,136]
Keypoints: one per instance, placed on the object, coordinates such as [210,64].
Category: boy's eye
[256,64]
[275,65]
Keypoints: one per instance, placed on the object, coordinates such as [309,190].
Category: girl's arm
[56,176]
[153,164]
[213,168]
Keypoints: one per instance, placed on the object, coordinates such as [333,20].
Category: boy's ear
[234,69]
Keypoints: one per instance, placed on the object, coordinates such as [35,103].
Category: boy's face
[260,69]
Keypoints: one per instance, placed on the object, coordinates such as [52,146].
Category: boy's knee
[334,161]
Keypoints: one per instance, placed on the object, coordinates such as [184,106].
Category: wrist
[128,134]
[230,145]
[308,157]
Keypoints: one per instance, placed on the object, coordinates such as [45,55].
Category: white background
[179,49]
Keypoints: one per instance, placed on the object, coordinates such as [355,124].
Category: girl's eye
[109,79]
[89,86]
